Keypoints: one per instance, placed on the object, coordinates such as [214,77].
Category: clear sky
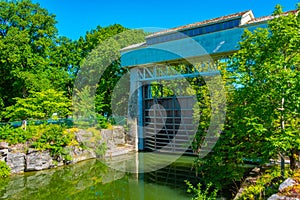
[75,17]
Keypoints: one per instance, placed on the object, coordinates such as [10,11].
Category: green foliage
[39,105]
[257,78]
[84,107]
[106,68]
[41,137]
[68,157]
[29,47]
[4,170]
[200,194]
[14,136]
[101,149]
[264,117]
[103,122]
[266,185]
[53,137]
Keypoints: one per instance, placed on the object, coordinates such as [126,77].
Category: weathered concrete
[119,151]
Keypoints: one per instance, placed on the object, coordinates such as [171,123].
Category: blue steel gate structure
[153,61]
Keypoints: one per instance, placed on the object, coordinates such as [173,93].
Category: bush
[102,122]
[199,194]
[54,137]
[14,135]
[265,186]
[41,137]
[101,149]
[4,169]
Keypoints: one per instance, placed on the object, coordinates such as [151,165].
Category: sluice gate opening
[167,121]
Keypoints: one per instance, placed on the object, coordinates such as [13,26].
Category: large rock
[38,160]
[107,137]
[287,183]
[119,135]
[79,154]
[3,153]
[83,136]
[3,145]
[277,197]
[113,137]
[16,161]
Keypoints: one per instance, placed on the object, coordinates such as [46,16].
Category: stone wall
[21,160]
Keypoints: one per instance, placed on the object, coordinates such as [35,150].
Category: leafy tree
[85,45]
[33,57]
[84,112]
[39,105]
[101,69]
[259,76]
[26,36]
[264,117]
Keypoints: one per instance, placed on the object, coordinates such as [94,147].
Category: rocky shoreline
[21,159]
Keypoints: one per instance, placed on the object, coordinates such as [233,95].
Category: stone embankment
[22,159]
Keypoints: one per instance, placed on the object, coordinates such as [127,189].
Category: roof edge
[202,23]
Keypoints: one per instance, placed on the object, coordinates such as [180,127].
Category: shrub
[54,137]
[200,194]
[101,149]
[102,122]
[14,135]
[44,136]
[4,169]
[266,185]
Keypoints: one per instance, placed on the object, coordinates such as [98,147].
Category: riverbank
[90,143]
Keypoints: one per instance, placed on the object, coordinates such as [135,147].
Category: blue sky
[75,17]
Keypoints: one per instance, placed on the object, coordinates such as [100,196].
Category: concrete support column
[135,110]
[140,117]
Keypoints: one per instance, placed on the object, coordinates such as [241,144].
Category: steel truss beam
[169,72]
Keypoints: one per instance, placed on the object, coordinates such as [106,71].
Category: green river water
[94,180]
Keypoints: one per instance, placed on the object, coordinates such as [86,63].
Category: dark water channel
[94,180]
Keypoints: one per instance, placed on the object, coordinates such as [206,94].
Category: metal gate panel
[168,123]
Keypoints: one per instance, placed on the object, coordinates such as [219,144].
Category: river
[94,179]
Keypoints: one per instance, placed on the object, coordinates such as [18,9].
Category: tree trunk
[282,168]
[294,159]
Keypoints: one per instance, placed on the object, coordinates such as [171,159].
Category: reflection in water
[94,180]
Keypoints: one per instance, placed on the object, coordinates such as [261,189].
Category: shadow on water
[94,180]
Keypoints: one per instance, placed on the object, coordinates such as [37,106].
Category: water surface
[94,180]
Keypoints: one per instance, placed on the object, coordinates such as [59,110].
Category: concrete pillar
[140,118]
[135,110]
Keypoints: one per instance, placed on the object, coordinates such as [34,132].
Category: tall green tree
[26,36]
[29,49]
[262,92]
[39,105]
[265,115]
[101,68]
